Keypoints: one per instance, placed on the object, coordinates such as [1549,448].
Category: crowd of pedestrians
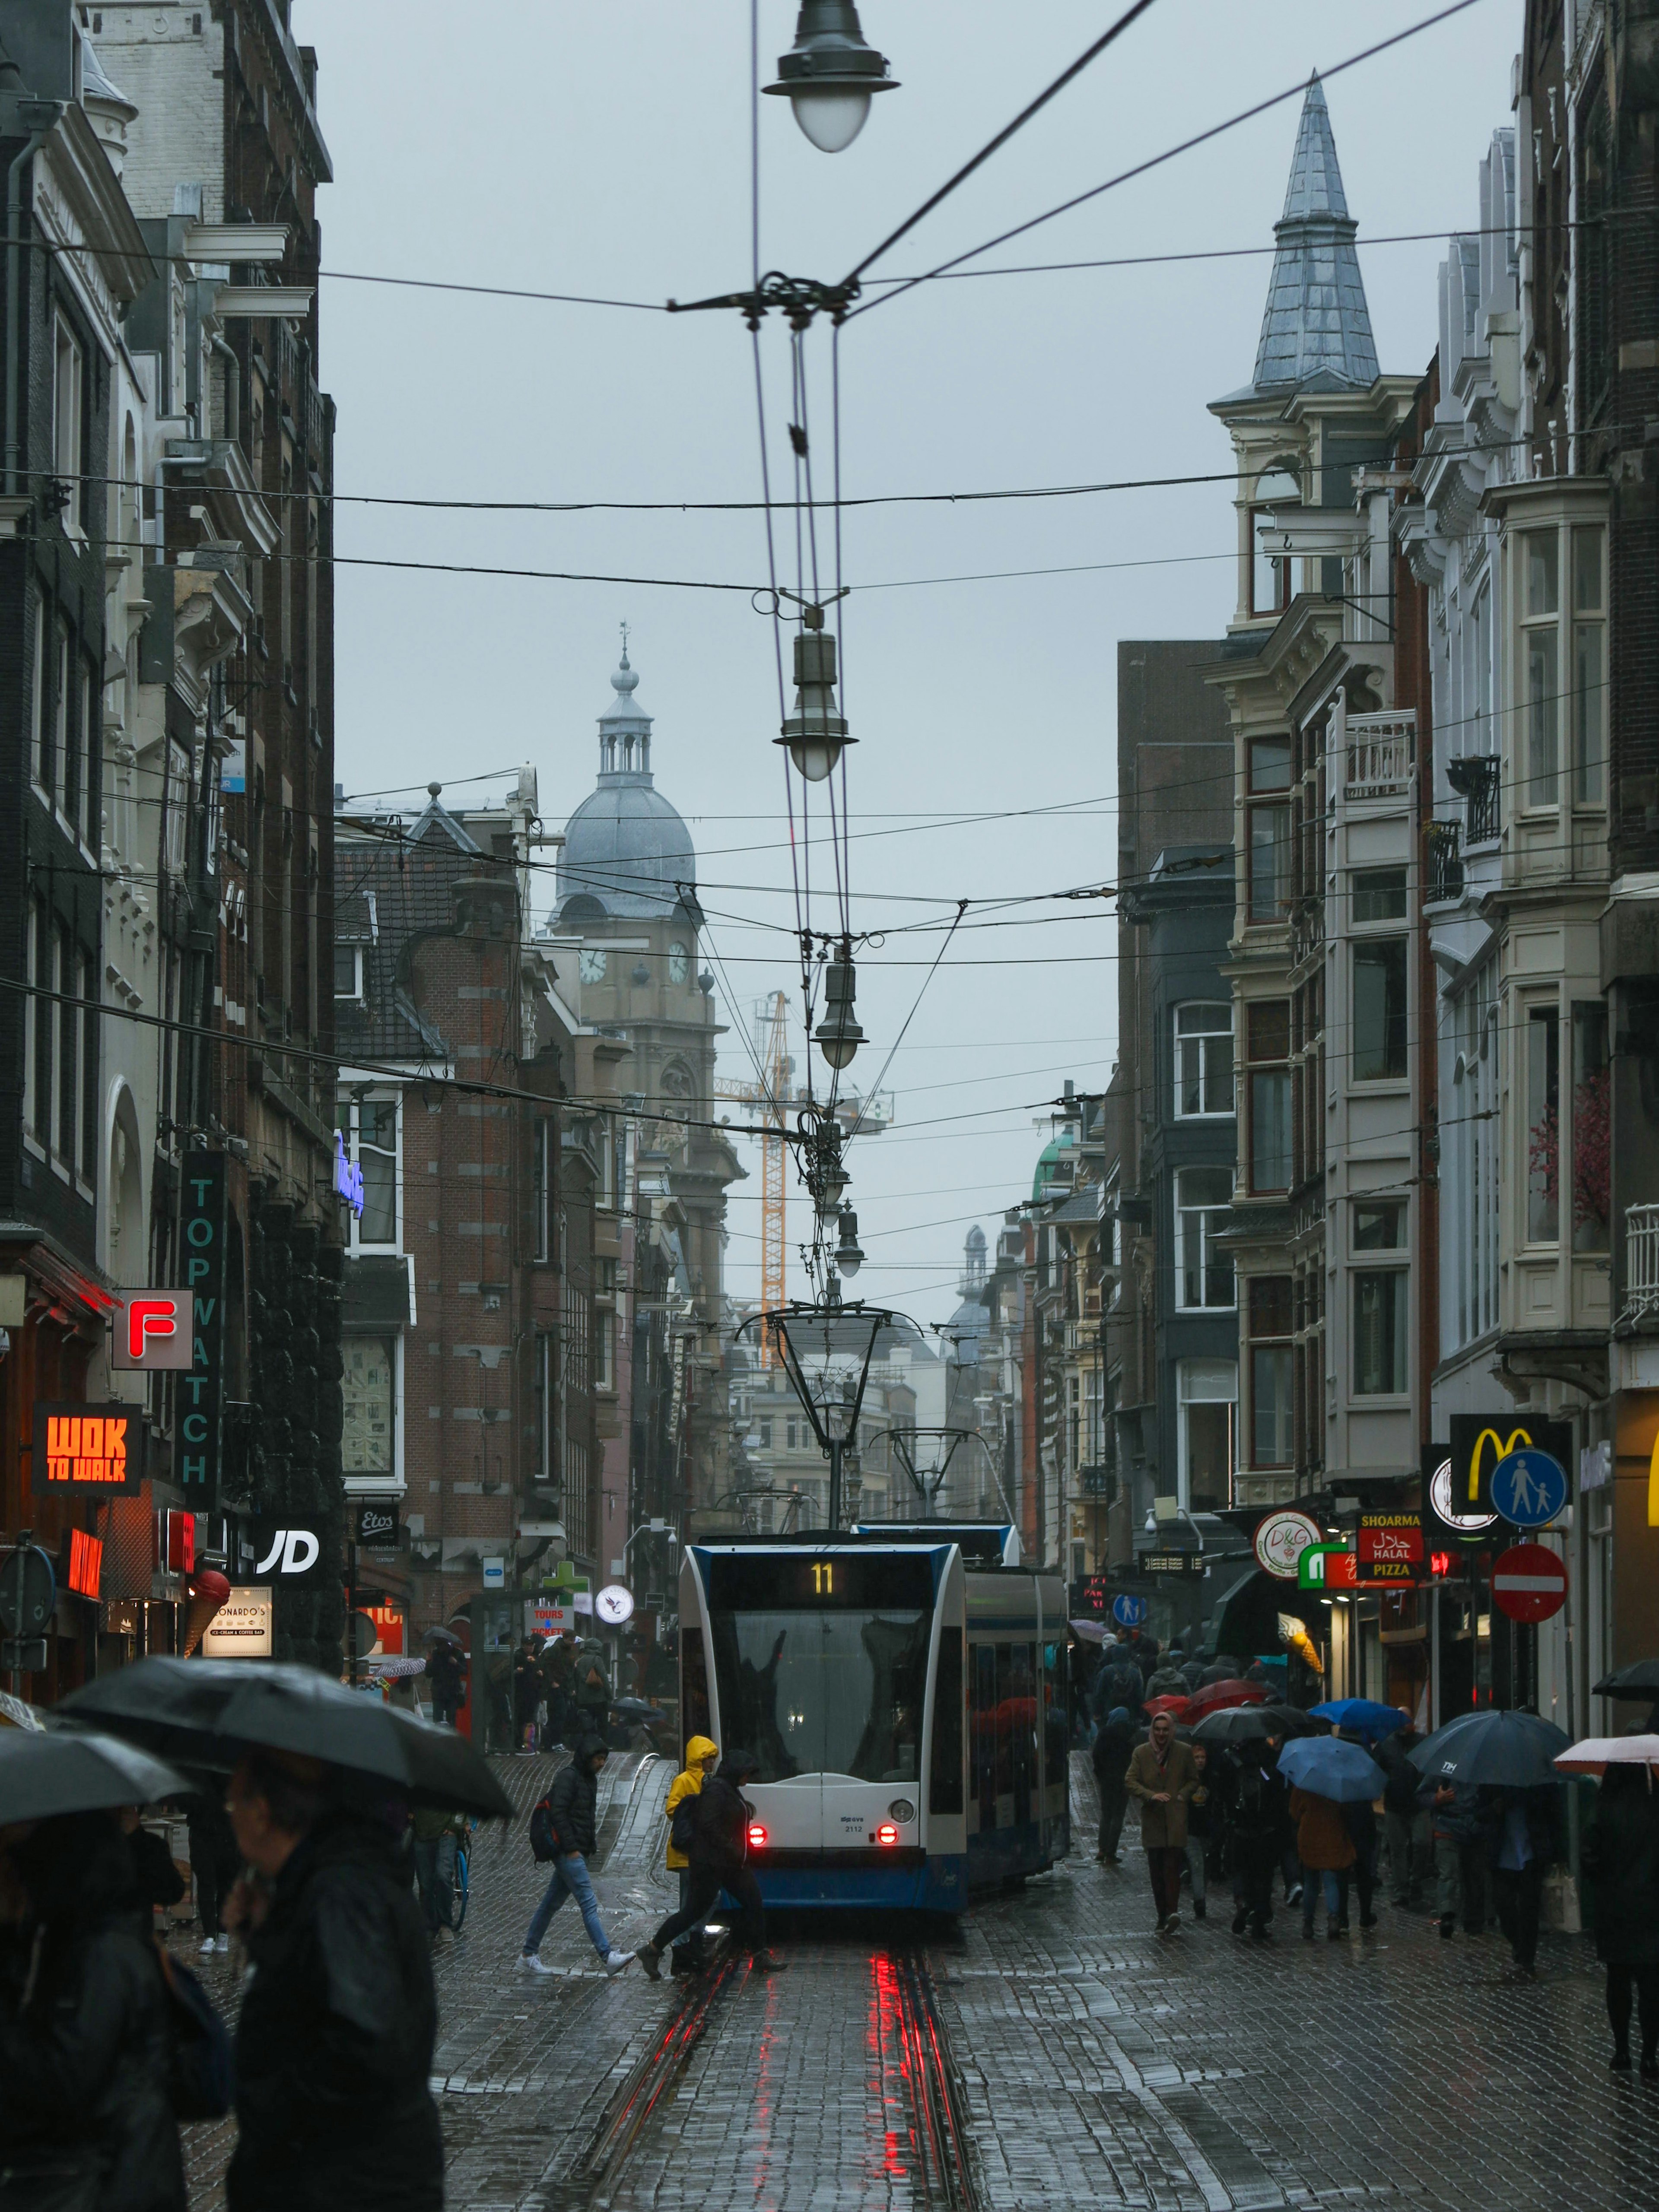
[1213,1813]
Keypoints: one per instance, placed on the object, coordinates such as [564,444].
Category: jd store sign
[286,1552]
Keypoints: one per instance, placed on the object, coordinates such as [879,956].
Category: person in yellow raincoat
[702,1758]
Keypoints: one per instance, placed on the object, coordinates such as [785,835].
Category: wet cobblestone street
[1098,2064]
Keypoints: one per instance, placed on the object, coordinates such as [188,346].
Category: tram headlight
[756,1836]
[902,1809]
[887,1833]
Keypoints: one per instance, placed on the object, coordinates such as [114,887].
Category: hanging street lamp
[830,75]
[838,1035]
[848,1258]
[815,734]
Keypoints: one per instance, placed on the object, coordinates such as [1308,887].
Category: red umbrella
[1215,1696]
[1176,1708]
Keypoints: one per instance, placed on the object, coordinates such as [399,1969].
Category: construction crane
[768,1094]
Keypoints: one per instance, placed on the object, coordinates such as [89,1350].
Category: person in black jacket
[213,1862]
[1260,1825]
[573,1805]
[1404,1822]
[1112,1748]
[1621,1856]
[334,2045]
[85,2037]
[719,1851]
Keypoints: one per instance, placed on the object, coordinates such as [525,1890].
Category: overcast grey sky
[605,149]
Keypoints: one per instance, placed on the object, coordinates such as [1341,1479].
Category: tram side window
[984,1688]
[694,1689]
[1003,1722]
[1056,1729]
[1022,1724]
[945,1777]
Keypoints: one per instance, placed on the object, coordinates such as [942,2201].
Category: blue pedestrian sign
[1529,1488]
[1128,1611]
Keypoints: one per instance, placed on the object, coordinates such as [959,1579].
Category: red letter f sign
[153,1331]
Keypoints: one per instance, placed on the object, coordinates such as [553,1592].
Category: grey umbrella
[42,1776]
[1639,1680]
[207,1712]
[1502,1750]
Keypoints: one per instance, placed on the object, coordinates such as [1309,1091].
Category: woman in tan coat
[1325,1847]
[1164,1774]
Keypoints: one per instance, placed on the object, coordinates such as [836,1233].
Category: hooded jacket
[334,2045]
[573,1799]
[85,2067]
[720,1843]
[686,1783]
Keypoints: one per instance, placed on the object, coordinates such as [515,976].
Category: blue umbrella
[1508,1750]
[1363,1715]
[1330,1768]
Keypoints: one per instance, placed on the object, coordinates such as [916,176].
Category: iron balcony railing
[1444,861]
[1641,1262]
[1475,778]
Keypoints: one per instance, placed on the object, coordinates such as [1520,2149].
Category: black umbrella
[1252,1724]
[1504,1750]
[208,1712]
[1639,1680]
[43,1775]
[440,1636]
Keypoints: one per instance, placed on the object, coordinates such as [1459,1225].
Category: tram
[906,1706]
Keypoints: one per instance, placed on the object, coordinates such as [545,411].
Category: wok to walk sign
[200,1444]
[91,1450]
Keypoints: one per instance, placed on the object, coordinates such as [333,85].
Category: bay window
[1379,1009]
[1271,1372]
[368,1440]
[1203,1275]
[1269,826]
[1267,1045]
[1207,1392]
[1589,669]
[1542,1039]
[1203,1060]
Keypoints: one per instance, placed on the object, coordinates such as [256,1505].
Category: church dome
[625,848]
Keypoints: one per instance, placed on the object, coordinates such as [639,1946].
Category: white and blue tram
[906,1707]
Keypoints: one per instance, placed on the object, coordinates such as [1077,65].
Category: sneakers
[443,1938]
[616,1960]
[221,1942]
[208,1943]
[651,1959]
[530,1964]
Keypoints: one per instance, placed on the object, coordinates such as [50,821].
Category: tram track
[916,2097]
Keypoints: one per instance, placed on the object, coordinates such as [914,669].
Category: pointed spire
[1316,324]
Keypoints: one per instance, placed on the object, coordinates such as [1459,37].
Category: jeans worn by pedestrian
[1197,1846]
[434,1876]
[1410,1854]
[1460,1880]
[570,1879]
[1114,1804]
[1330,1878]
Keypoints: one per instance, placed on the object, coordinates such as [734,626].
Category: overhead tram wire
[1155,161]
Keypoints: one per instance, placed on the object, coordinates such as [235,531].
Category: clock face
[678,963]
[590,965]
[614,1605]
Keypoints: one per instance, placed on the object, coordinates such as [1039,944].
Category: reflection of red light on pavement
[756,1836]
[887,1833]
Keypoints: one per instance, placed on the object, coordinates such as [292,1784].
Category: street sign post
[1529,1488]
[1528,1583]
[1127,1610]
[28,1592]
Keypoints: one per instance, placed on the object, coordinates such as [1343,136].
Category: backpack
[683,1828]
[200,2076]
[544,1836]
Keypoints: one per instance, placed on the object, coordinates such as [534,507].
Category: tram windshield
[825,1676]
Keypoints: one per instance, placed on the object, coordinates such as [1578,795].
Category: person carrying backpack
[564,1831]
[719,1851]
[701,1757]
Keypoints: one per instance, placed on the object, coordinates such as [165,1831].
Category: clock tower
[623,937]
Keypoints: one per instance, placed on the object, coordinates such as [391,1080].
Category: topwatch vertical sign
[201,1392]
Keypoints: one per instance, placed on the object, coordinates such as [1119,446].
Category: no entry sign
[1528,1583]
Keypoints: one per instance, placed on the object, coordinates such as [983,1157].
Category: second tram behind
[906,1704]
